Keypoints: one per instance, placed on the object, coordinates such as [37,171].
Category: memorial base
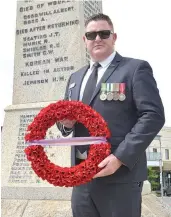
[18,179]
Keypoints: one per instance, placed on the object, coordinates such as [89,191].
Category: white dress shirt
[101,70]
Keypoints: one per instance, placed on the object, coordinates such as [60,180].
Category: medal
[103,95]
[116,91]
[122,96]
[115,96]
[109,96]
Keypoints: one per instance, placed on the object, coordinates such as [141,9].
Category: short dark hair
[97,17]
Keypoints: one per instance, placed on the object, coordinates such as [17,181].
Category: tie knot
[96,65]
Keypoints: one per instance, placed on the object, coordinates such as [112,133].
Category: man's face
[99,49]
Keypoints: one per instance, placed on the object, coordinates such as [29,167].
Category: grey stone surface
[48,209]
[36,208]
[151,207]
[13,208]
[40,193]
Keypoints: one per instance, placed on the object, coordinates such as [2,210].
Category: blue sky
[143,29]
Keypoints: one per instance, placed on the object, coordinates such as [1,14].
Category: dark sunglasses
[103,34]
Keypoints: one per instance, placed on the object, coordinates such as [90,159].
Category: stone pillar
[48,48]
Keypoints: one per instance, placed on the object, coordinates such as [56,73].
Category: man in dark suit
[123,90]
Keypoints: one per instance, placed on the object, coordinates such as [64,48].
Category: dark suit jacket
[133,122]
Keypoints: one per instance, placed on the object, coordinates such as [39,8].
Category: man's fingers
[103,163]
[101,173]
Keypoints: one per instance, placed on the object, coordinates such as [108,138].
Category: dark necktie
[91,84]
[88,92]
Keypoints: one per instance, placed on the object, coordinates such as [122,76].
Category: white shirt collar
[105,62]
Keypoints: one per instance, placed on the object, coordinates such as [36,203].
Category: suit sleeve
[150,113]
[64,130]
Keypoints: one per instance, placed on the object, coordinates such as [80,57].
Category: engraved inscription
[48,47]
[21,171]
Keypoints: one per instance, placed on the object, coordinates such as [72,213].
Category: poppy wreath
[47,117]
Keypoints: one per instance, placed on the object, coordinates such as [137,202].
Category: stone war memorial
[48,48]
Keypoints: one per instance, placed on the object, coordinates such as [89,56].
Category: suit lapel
[80,76]
[112,67]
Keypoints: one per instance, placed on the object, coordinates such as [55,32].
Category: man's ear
[115,37]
